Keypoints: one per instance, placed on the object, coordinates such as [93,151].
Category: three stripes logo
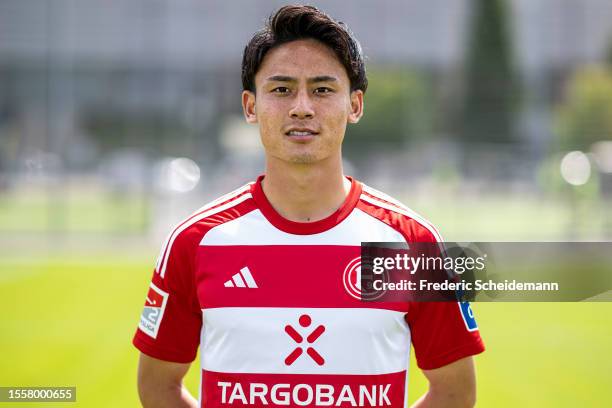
[242,279]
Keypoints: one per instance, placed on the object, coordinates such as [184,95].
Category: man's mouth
[301,133]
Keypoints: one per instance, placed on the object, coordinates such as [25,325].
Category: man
[255,278]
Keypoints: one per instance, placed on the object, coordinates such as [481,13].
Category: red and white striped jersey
[267,301]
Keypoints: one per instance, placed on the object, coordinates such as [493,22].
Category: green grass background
[69,321]
[491,217]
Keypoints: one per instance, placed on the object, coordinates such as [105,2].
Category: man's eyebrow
[281,78]
[321,78]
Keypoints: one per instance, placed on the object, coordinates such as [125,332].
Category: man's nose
[302,107]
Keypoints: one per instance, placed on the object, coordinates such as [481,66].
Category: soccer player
[260,279]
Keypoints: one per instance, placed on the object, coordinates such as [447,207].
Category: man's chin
[303,159]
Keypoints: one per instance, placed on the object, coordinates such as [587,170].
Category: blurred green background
[491,118]
[69,321]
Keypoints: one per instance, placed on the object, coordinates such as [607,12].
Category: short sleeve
[171,320]
[443,332]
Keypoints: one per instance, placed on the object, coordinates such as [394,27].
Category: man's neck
[305,193]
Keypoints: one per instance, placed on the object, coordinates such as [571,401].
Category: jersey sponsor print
[275,306]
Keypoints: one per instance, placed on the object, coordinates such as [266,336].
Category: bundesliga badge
[153,311]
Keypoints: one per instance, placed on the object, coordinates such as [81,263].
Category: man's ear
[248,106]
[356,106]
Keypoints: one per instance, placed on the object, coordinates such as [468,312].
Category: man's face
[303,102]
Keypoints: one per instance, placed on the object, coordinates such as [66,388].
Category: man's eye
[323,90]
[281,90]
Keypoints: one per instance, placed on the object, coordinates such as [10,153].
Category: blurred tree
[491,92]
[397,110]
[585,116]
[157,132]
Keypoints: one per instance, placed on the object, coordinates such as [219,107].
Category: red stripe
[286,276]
[371,195]
[420,220]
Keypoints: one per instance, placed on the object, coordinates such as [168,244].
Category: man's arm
[160,384]
[451,386]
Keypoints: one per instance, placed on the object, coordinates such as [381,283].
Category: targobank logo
[321,395]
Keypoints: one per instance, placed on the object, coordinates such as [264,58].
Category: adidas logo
[242,279]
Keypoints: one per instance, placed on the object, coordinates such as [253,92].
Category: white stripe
[355,340]
[206,214]
[221,199]
[238,280]
[246,273]
[225,197]
[407,212]
[254,229]
[383,196]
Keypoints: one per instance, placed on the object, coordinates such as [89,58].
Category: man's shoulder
[188,232]
[393,212]
[220,210]
[226,201]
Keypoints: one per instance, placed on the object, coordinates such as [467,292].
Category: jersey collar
[305,228]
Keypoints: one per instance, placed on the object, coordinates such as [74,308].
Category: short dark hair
[297,22]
